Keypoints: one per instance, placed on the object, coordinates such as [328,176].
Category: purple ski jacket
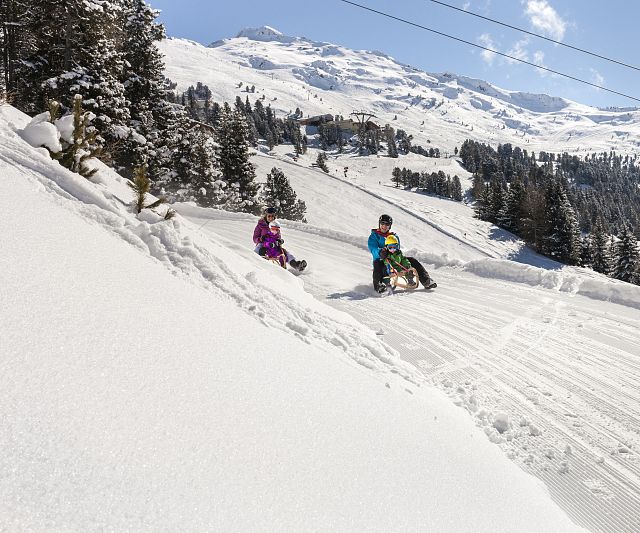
[270,242]
[261,229]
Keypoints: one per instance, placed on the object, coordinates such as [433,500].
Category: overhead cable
[536,35]
[541,67]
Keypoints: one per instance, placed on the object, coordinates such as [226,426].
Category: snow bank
[40,132]
[564,279]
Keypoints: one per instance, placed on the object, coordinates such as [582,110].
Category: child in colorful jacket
[377,248]
[271,245]
[395,261]
[262,232]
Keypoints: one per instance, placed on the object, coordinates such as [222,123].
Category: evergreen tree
[233,161]
[510,217]
[625,262]
[141,185]
[456,189]
[396,176]
[496,201]
[562,235]
[389,135]
[73,54]
[278,192]
[586,254]
[143,82]
[600,252]
[482,207]
[202,175]
[80,146]
[321,161]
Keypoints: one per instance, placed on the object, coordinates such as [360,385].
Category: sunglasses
[385,224]
[392,248]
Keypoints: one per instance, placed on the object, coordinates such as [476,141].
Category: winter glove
[261,238]
[280,242]
[384,253]
[273,245]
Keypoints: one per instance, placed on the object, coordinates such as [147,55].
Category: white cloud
[545,19]
[486,41]
[519,51]
[466,5]
[596,78]
[538,59]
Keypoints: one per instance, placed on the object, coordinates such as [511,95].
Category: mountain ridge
[443,108]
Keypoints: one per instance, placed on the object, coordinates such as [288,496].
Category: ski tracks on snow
[551,379]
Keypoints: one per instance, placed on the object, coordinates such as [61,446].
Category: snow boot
[430,284]
[411,280]
[298,265]
[381,288]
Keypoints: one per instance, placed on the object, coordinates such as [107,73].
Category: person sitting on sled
[395,262]
[271,246]
[376,245]
[262,230]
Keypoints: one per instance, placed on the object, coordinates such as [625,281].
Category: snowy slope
[548,374]
[154,378]
[544,358]
[444,108]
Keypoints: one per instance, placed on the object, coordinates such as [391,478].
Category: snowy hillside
[158,377]
[444,109]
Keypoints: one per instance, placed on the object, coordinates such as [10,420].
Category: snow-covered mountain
[444,109]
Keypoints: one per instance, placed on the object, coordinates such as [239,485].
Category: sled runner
[280,260]
[403,278]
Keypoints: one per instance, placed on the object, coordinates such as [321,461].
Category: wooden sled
[281,260]
[398,279]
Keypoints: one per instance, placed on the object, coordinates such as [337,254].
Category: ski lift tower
[362,117]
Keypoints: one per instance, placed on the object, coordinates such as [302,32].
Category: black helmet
[386,219]
[270,211]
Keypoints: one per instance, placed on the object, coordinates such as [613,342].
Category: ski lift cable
[537,35]
[541,67]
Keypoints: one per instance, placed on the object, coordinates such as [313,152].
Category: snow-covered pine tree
[321,161]
[626,262]
[562,233]
[511,215]
[277,191]
[16,42]
[78,141]
[76,51]
[141,184]
[482,204]
[600,252]
[456,192]
[496,202]
[586,252]
[390,138]
[232,158]
[203,176]
[144,84]
[396,176]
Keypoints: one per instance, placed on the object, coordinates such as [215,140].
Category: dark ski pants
[380,271]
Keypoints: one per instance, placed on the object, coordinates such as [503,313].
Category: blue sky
[607,28]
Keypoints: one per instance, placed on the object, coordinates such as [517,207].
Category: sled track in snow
[564,368]
[529,362]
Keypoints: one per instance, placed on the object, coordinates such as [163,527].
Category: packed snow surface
[155,378]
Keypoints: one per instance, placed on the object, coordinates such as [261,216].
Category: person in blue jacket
[378,252]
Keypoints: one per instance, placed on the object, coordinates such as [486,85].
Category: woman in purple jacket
[262,232]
